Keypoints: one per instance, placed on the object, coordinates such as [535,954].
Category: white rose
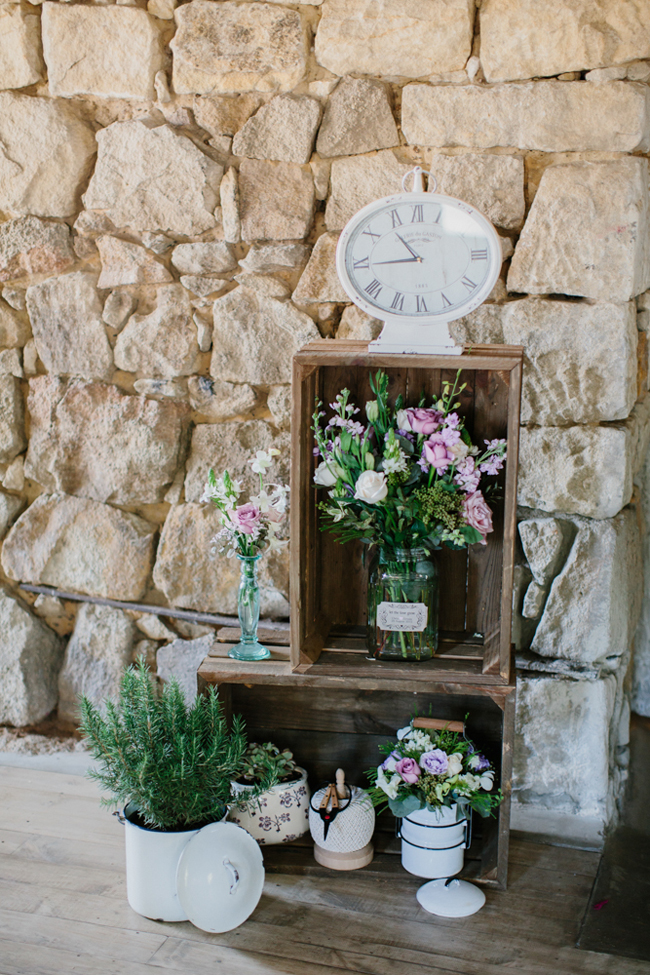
[455,764]
[371,487]
[402,419]
[460,450]
[327,473]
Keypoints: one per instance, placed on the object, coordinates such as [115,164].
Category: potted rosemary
[271,813]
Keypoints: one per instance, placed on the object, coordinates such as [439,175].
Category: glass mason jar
[248,610]
[403,605]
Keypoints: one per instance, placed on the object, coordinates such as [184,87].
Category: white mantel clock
[417,261]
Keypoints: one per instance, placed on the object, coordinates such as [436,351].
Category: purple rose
[435,762]
[408,769]
[246,518]
[424,421]
[436,453]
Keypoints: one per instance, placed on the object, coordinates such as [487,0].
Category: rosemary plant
[174,763]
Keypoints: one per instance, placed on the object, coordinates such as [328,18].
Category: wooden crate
[329,722]
[329,581]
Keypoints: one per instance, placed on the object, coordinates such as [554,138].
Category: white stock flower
[402,419]
[371,487]
[454,764]
[263,459]
[389,786]
[421,740]
[327,473]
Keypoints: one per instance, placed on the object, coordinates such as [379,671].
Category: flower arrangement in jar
[408,481]
[247,531]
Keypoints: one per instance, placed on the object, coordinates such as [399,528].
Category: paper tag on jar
[402,616]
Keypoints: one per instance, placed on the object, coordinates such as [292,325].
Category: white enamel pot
[277,816]
[433,843]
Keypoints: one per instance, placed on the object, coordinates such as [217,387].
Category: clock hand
[403,260]
[409,248]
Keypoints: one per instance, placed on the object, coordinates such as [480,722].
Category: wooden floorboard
[63,908]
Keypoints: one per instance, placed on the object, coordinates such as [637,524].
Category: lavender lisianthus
[478,763]
[435,762]
[389,763]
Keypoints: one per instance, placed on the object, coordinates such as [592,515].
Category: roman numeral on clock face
[373,288]
[362,264]
[480,255]
[468,283]
[398,301]
[417,215]
[369,233]
[445,300]
[395,217]
[421,304]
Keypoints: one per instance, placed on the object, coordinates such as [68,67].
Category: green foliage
[266,762]
[173,762]
[440,503]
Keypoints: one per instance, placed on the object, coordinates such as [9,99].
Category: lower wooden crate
[331,720]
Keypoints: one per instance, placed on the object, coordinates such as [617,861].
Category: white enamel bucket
[433,843]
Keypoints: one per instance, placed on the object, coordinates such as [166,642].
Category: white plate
[220,877]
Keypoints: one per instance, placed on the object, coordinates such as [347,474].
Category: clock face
[420,256]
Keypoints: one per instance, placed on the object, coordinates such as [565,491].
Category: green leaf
[404,807]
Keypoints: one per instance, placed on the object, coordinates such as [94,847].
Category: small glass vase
[403,605]
[248,610]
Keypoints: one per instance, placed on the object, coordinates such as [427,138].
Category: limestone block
[585,470]
[153,178]
[600,75]
[163,343]
[162,389]
[409,38]
[126,263]
[493,184]
[356,324]
[180,661]
[21,63]
[587,232]
[266,284]
[218,400]
[321,169]
[529,40]
[483,326]
[12,419]
[232,446]
[319,280]
[221,47]
[190,577]
[30,358]
[66,317]
[255,337]
[93,441]
[202,284]
[110,51]
[46,157]
[215,257]
[119,306]
[360,180]
[284,129]
[271,258]
[534,601]
[154,628]
[546,543]
[32,246]
[224,114]
[358,118]
[14,331]
[561,754]
[11,364]
[80,545]
[15,297]
[230,217]
[551,116]
[579,359]
[594,603]
[10,506]
[30,657]
[158,243]
[638,71]
[279,403]
[276,200]
[14,478]
[98,652]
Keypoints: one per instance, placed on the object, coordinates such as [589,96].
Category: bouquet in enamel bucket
[407,481]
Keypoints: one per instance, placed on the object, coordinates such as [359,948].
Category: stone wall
[173,181]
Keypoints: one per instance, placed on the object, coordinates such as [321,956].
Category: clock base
[415,337]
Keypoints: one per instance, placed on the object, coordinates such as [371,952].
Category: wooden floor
[63,907]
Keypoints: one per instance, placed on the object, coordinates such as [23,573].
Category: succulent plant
[264,761]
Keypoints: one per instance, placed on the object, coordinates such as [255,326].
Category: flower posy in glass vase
[248,530]
[406,481]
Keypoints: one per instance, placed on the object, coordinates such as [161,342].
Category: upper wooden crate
[328,580]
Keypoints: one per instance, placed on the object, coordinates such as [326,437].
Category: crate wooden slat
[328,580]
[340,718]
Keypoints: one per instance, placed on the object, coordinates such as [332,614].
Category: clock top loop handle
[418,181]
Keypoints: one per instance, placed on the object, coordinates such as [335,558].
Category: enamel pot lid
[220,877]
